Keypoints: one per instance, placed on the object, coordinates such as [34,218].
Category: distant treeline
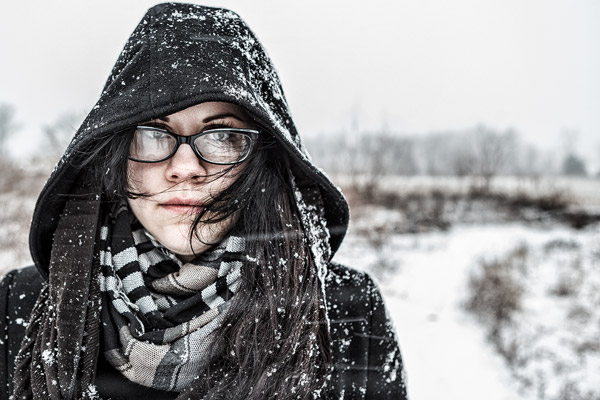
[480,151]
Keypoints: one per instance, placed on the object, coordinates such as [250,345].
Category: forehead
[207,111]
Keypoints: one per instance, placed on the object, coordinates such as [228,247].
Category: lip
[182,206]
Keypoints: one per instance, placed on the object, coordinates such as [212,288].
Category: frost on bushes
[541,308]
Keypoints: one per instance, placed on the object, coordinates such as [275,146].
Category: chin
[176,237]
[181,247]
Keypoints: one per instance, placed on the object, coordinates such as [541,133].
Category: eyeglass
[223,146]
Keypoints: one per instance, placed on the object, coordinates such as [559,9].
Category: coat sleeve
[4,290]
[385,377]
[19,290]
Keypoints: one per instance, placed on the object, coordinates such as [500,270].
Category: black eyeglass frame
[189,140]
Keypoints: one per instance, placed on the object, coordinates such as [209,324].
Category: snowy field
[424,279]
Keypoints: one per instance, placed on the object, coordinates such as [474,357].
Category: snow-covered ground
[445,349]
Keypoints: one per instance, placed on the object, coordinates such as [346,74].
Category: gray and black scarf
[94,263]
[159,313]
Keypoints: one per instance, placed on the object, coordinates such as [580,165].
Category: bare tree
[480,152]
[528,163]
[384,154]
[7,124]
[433,153]
[59,133]
[491,150]
[569,139]
[574,165]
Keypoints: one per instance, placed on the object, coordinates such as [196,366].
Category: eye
[223,146]
[222,136]
[153,133]
[151,144]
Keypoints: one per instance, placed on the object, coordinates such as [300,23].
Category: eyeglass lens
[220,147]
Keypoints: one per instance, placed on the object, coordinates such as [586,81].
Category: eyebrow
[209,118]
[221,116]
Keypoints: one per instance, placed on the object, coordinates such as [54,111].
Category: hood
[178,56]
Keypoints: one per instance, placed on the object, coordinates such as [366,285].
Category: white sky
[410,66]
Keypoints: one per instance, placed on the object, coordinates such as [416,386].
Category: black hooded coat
[178,56]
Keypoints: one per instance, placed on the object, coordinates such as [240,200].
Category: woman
[182,245]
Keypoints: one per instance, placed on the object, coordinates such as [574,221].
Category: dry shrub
[569,279]
[495,291]
[580,314]
[580,219]
[438,208]
[561,244]
[422,210]
[570,391]
[379,238]
[553,201]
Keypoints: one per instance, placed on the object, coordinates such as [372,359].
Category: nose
[185,165]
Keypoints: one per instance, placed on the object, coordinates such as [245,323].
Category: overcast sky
[409,66]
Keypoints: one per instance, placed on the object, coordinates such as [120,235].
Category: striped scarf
[159,313]
[58,355]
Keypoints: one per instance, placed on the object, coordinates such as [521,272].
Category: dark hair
[274,339]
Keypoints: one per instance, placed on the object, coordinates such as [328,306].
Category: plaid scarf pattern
[159,313]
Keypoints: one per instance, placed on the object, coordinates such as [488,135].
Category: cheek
[138,208]
[133,176]
[230,177]
[141,177]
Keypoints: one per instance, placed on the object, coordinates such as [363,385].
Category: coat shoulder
[23,286]
[349,292]
[366,357]
[344,276]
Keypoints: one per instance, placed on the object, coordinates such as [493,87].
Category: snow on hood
[178,56]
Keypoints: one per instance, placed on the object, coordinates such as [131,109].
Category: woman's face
[179,186]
